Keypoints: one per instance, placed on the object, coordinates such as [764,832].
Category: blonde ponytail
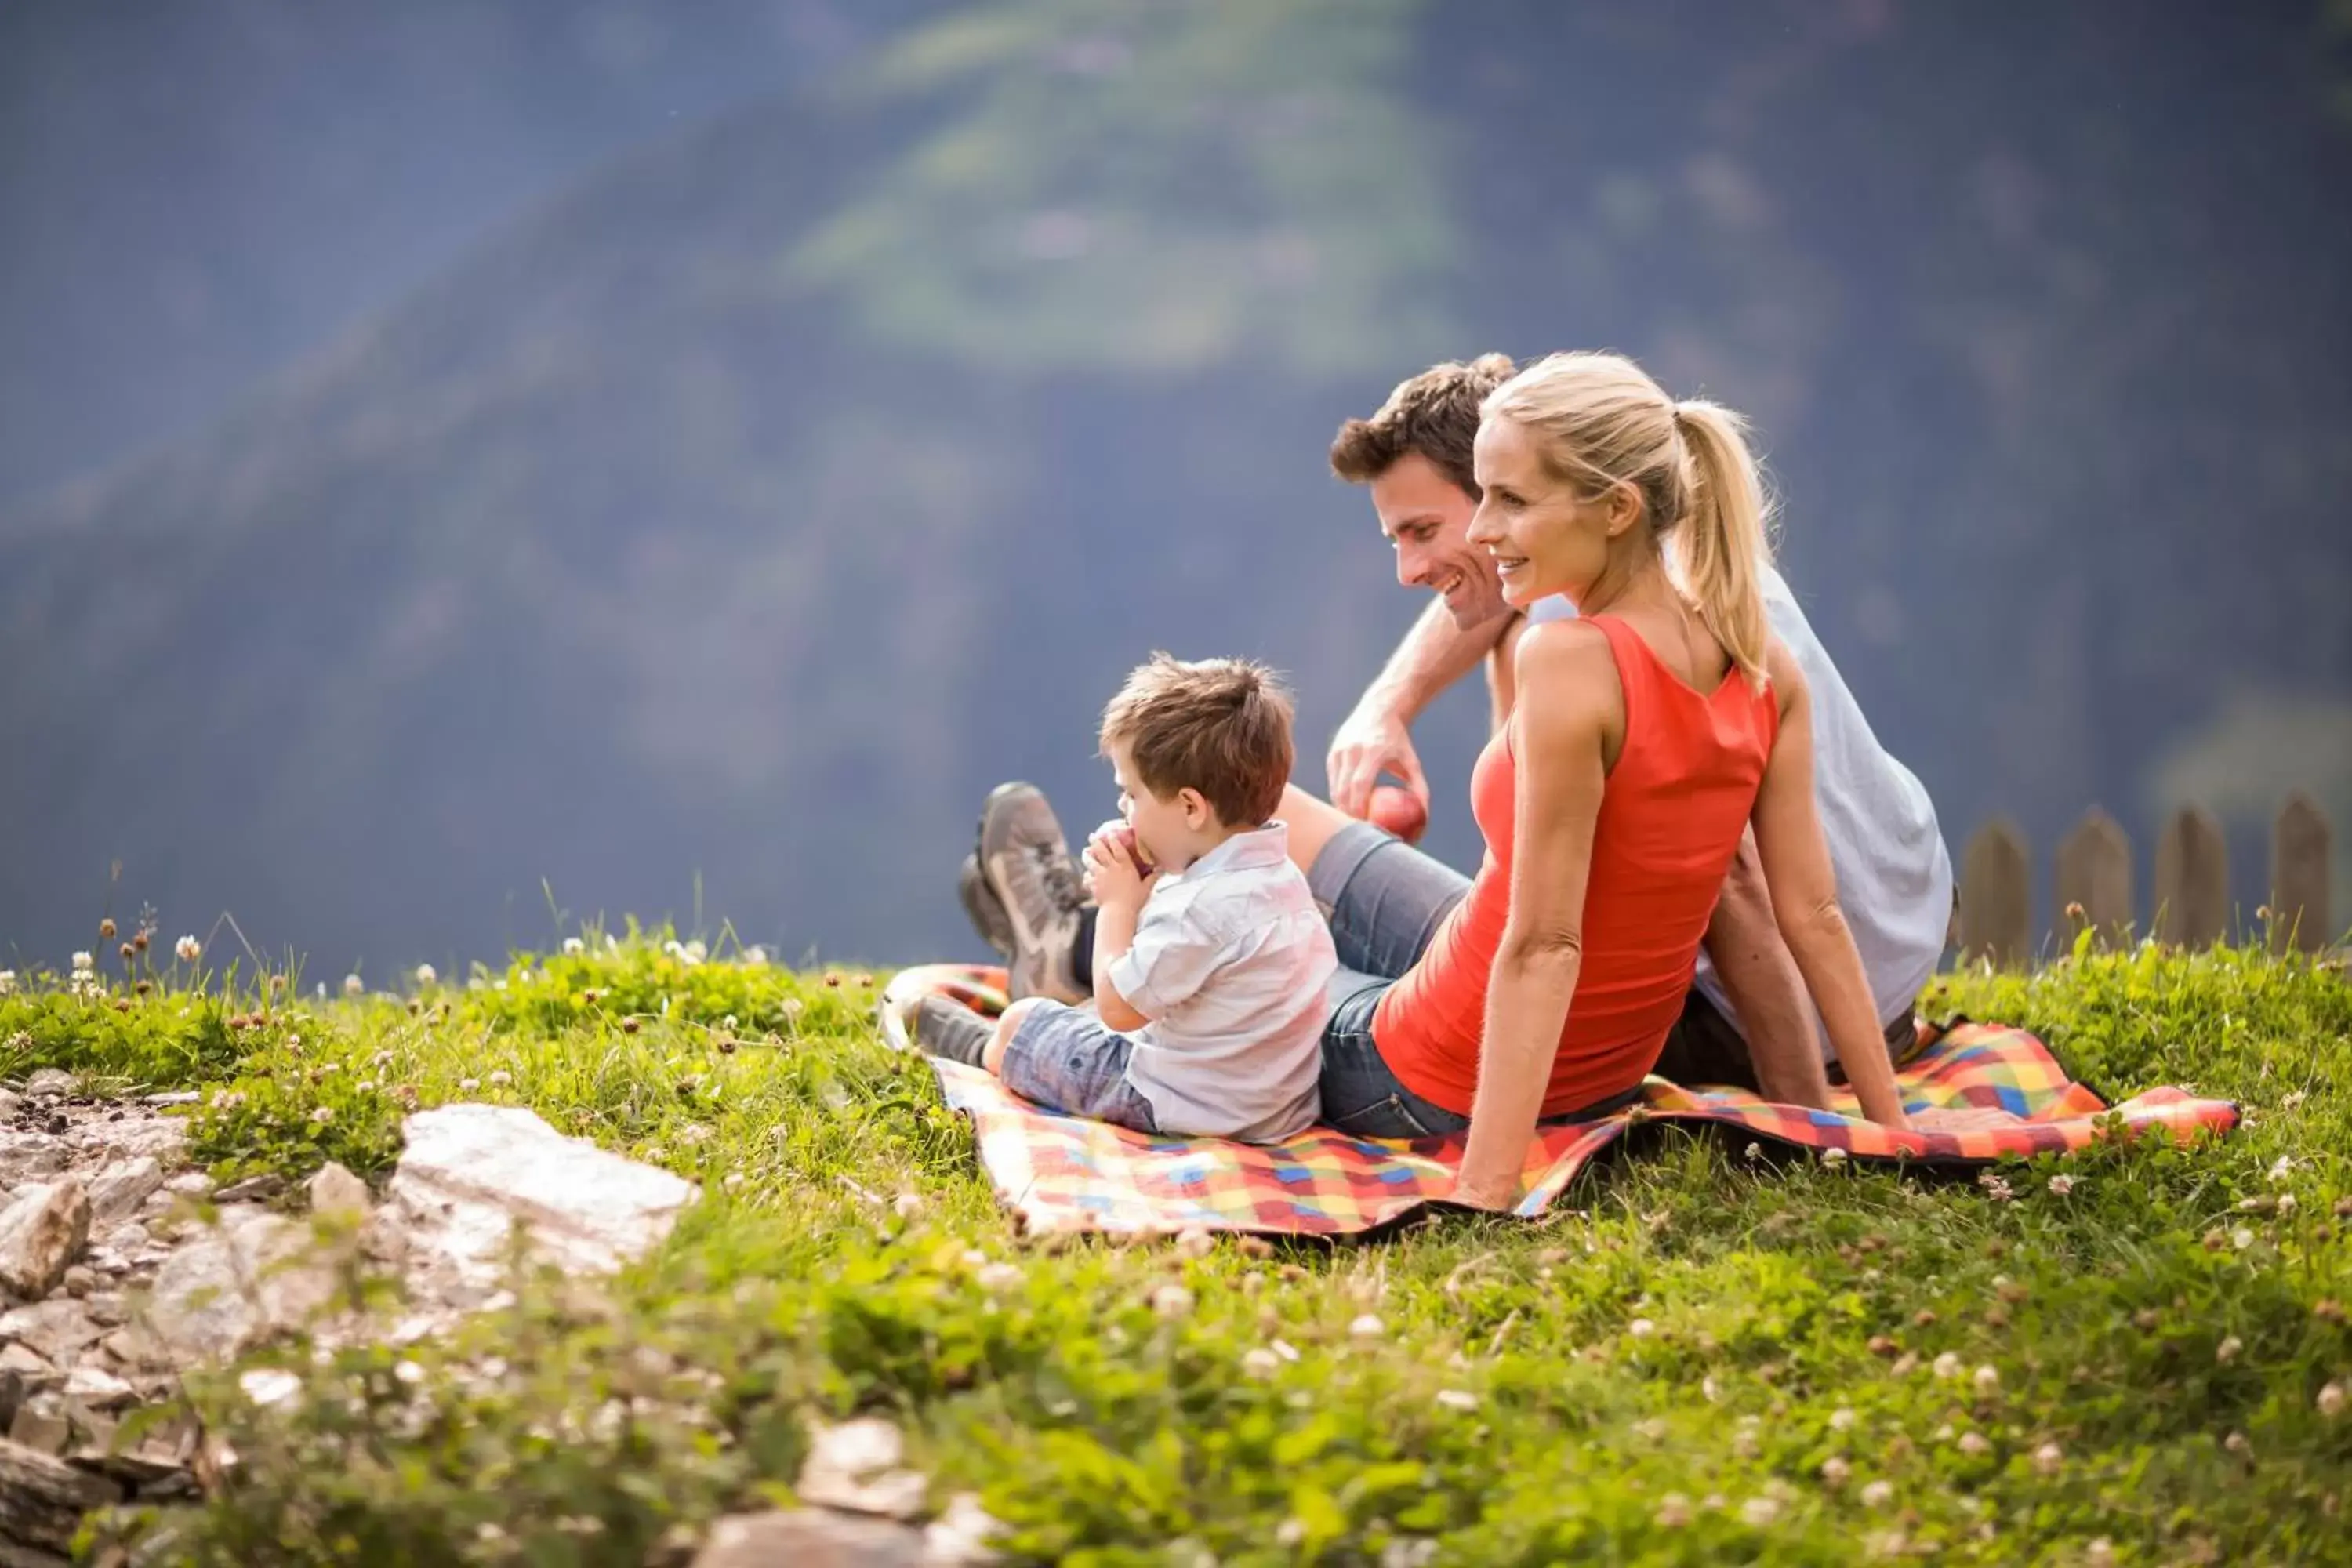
[1721,542]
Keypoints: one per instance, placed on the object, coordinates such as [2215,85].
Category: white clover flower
[364,1086]
[755,955]
[1261,1363]
[2282,1169]
[729,1023]
[1832,1156]
[7,981]
[2242,1238]
[500,1079]
[469,1085]
[1366,1326]
[2060,1185]
[1640,1328]
[906,1205]
[323,1114]
[1753,1152]
[1878,1494]
[82,962]
[1835,1471]
[1988,1380]
[1673,1512]
[2287,1204]
[1282,1347]
[353,985]
[1947,1365]
[734,1182]
[2330,1401]
[187,949]
[573,947]
[1842,1419]
[424,975]
[2099,1552]
[695,952]
[1758,1512]
[1172,1301]
[2227,1350]
[408,1372]
[1975,1444]
[2049,1459]
[1195,1242]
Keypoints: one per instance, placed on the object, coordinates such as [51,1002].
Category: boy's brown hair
[1220,726]
[1434,414]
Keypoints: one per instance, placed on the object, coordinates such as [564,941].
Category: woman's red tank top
[1671,816]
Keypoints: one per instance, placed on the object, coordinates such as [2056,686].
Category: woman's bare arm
[1571,705]
[1805,904]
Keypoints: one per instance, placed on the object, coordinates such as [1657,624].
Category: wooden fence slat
[2095,879]
[2301,845]
[2192,880]
[1996,895]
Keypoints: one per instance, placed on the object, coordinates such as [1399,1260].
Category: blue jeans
[1385,900]
[1066,1060]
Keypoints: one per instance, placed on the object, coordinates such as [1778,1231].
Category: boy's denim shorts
[1063,1058]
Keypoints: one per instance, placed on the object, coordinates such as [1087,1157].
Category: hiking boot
[946,1028]
[982,907]
[1026,863]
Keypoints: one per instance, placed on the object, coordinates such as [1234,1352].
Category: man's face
[1426,517]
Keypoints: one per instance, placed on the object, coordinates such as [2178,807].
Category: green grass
[1699,1359]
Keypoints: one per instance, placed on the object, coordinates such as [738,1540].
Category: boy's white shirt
[1230,960]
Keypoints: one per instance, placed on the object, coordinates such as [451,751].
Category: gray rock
[98,1388]
[253,1189]
[472,1173]
[28,1364]
[51,1081]
[253,1275]
[856,1467]
[42,1232]
[79,1280]
[174,1097]
[334,1190]
[26,1155]
[39,1430]
[190,1184]
[137,1348]
[809,1538]
[58,1329]
[118,1188]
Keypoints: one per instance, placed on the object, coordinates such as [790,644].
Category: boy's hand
[1112,876]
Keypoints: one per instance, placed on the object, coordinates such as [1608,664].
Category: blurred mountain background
[462,461]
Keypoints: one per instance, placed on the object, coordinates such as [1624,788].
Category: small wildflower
[1195,1242]
[1457,1399]
[734,1182]
[1758,1512]
[409,1372]
[1753,1152]
[424,975]
[1282,1347]
[755,955]
[7,981]
[1835,1472]
[469,1085]
[187,949]
[1640,1328]
[2227,1350]
[2282,1169]
[2100,1551]
[1988,1380]
[1172,1301]
[832,979]
[573,947]
[1832,1156]
[908,1205]
[1975,1444]
[364,1086]
[323,1114]
[1947,1365]
[83,963]
[1366,1326]
[1261,1363]
[2327,1309]
[2242,1238]
[1878,1494]
[1673,1512]
[500,1079]
[2330,1401]
[630,1025]
[1996,1187]
[2236,1443]
[695,953]
[2049,1459]
[730,1024]
[2216,1239]
[2290,1101]
[1842,1419]
[2286,1204]
[353,985]
[1000,1276]
[2060,1185]
[2074,910]
[1290,1532]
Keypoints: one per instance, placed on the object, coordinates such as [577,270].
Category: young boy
[1210,958]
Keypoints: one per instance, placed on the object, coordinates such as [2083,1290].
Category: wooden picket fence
[2191,907]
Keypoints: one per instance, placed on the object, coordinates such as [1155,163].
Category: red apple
[1396,809]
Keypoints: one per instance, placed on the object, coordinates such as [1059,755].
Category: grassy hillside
[1701,1359]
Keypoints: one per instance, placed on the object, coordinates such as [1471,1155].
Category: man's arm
[1759,976]
[1433,655]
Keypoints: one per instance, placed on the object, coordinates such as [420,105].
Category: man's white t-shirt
[1894,874]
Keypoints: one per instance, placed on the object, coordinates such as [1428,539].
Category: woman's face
[1545,537]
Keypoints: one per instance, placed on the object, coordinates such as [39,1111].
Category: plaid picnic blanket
[1060,1173]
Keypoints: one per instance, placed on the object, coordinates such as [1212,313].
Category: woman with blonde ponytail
[1649,734]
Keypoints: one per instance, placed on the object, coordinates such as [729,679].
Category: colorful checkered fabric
[1059,1172]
